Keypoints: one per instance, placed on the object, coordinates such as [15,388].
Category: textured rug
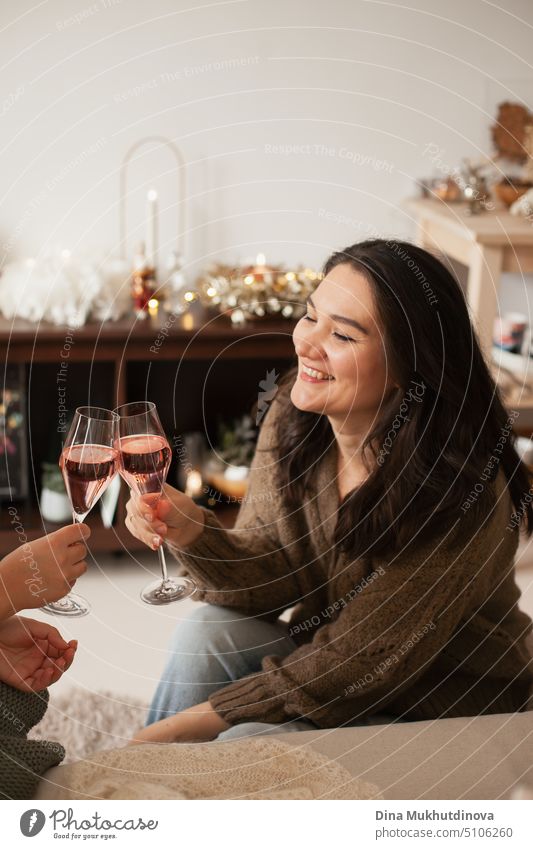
[85,722]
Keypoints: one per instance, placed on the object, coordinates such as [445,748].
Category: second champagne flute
[88,463]
[144,460]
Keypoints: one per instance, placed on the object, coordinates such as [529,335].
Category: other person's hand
[43,569]
[33,655]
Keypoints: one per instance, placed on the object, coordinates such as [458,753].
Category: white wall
[375,81]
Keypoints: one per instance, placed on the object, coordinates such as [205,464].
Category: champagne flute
[88,463]
[144,458]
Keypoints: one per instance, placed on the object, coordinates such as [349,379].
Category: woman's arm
[384,639]
[197,724]
[248,567]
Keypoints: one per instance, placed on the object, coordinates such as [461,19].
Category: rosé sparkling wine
[144,460]
[87,469]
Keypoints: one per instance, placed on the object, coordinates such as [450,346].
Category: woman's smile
[340,341]
[313,375]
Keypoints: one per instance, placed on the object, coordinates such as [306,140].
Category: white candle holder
[181,177]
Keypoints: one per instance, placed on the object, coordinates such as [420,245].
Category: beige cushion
[479,757]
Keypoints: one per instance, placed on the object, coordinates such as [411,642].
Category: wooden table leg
[421,234]
[482,292]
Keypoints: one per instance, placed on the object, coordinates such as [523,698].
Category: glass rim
[149,407]
[110,416]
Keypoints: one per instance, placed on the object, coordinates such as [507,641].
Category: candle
[187,321]
[151,228]
[193,486]
[257,271]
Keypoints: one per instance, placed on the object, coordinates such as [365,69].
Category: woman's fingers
[76,552]
[145,517]
[151,526]
[79,569]
[49,677]
[139,530]
[69,657]
[40,680]
[42,644]
[69,534]
[149,534]
[49,633]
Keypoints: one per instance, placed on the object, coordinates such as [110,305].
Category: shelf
[199,369]
[197,334]
[519,365]
[520,371]
[488,245]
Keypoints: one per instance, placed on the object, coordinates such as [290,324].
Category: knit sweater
[22,761]
[430,633]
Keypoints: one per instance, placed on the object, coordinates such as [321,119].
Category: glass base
[71,605]
[164,592]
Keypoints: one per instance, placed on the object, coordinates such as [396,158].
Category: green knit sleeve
[23,761]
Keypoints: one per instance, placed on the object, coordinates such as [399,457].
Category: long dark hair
[456,435]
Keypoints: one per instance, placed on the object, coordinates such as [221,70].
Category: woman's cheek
[344,364]
[298,334]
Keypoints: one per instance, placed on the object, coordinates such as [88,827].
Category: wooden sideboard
[198,368]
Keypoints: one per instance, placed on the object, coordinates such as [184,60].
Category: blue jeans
[213,647]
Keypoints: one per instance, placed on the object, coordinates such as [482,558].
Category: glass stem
[162,563]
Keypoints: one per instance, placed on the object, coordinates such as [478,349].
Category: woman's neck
[349,444]
[351,468]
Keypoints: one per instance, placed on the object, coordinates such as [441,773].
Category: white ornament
[524,204]
[175,285]
[64,290]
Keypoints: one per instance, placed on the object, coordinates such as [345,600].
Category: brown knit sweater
[433,633]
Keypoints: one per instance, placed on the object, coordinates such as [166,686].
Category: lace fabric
[239,769]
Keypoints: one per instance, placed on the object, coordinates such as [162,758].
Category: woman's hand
[197,724]
[33,655]
[173,517]
[43,569]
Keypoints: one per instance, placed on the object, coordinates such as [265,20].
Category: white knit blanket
[237,769]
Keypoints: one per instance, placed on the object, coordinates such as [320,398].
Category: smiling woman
[411,408]
[402,601]
[343,370]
